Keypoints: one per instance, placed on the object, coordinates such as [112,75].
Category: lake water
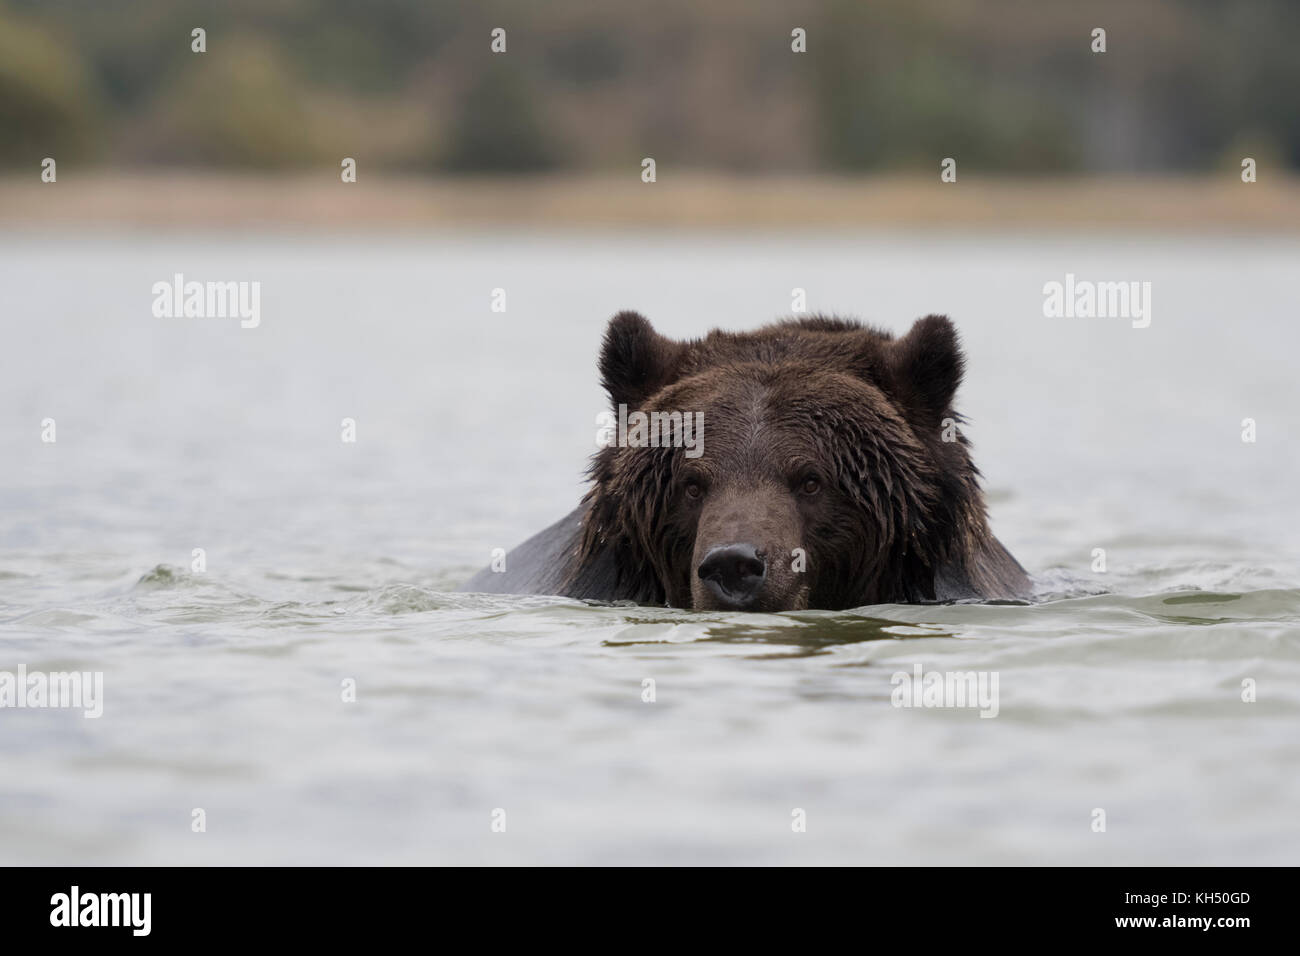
[328,561]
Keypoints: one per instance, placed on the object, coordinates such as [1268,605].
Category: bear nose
[734,573]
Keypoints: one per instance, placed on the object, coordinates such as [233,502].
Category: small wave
[399,599]
[163,576]
[1059,584]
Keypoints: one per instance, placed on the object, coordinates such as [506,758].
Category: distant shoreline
[168,198]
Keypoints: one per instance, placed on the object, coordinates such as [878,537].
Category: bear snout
[734,575]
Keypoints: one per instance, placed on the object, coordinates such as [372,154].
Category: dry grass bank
[377,201]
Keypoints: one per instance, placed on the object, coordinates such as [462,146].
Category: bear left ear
[635,360]
[927,367]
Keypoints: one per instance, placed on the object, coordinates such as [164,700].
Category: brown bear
[825,470]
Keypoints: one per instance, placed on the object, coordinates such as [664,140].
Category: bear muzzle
[742,532]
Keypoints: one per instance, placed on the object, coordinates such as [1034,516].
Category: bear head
[828,473]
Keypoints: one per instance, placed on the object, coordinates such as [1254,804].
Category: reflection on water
[813,634]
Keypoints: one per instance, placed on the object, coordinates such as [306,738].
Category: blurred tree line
[1003,85]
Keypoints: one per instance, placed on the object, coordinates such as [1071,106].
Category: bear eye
[810,485]
[694,489]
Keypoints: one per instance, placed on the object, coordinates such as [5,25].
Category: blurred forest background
[1009,86]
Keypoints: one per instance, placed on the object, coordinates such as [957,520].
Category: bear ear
[927,366]
[635,360]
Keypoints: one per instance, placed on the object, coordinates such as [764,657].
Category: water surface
[328,561]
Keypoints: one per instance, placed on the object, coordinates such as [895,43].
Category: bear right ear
[635,360]
[927,367]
